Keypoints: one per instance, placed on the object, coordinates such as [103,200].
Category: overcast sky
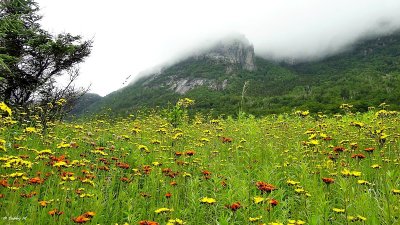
[131,36]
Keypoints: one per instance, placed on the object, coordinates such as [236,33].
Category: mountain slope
[366,75]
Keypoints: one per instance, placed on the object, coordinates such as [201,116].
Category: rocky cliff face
[237,52]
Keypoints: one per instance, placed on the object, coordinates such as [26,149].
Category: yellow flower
[275,223]
[255,219]
[376,166]
[258,199]
[143,148]
[208,200]
[296,222]
[31,130]
[5,108]
[175,222]
[363,182]
[292,182]
[63,145]
[337,210]
[356,218]
[396,191]
[3,145]
[163,210]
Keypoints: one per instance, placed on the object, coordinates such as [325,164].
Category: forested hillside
[367,74]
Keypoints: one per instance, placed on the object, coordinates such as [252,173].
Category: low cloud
[132,36]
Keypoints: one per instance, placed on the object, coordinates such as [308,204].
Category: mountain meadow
[299,168]
[221,136]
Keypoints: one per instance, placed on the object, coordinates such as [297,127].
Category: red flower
[190,152]
[328,180]
[206,174]
[265,187]
[168,195]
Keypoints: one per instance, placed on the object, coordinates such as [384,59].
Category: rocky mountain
[231,54]
[365,75]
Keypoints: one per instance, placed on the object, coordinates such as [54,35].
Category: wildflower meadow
[293,169]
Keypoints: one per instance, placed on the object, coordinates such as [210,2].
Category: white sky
[131,36]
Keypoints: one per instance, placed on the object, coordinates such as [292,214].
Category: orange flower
[35,180]
[235,206]
[84,217]
[369,150]
[358,156]
[178,154]
[168,195]
[226,140]
[55,212]
[125,179]
[173,183]
[147,169]
[147,222]
[105,168]
[89,214]
[265,187]
[4,183]
[328,180]
[122,165]
[1,195]
[273,202]
[43,203]
[223,183]
[80,219]
[29,195]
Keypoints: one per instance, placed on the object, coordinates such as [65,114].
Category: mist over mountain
[366,74]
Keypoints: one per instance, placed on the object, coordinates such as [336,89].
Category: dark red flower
[328,180]
[190,152]
[338,149]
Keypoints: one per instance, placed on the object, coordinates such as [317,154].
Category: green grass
[274,149]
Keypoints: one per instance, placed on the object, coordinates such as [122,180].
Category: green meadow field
[295,168]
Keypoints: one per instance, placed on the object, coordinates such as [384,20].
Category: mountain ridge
[215,80]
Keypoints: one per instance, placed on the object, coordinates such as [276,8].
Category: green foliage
[30,57]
